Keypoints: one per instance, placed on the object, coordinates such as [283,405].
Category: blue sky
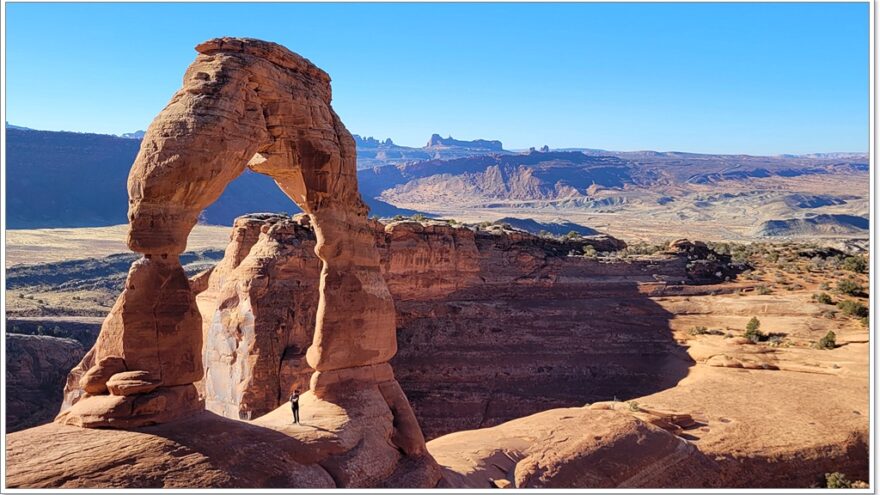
[735,78]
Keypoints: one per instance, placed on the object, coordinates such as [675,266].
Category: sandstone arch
[244,104]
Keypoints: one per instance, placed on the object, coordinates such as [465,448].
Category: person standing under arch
[294,406]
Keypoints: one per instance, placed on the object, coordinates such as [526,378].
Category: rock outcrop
[36,368]
[559,327]
[698,434]
[247,104]
[571,448]
[437,141]
[746,415]
[255,348]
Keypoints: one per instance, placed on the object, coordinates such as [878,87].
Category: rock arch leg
[244,103]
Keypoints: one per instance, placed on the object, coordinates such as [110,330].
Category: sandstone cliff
[36,369]
[559,327]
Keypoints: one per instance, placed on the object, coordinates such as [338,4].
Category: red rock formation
[559,328]
[572,448]
[35,368]
[254,351]
[244,104]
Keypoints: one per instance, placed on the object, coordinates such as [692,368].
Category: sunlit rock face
[251,104]
[493,324]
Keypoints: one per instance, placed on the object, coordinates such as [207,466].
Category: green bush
[823,298]
[856,264]
[753,331]
[763,290]
[828,341]
[853,308]
[837,480]
[849,287]
[753,324]
[701,330]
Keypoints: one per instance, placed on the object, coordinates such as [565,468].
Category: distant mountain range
[69,179]
[571,178]
[65,179]
[372,152]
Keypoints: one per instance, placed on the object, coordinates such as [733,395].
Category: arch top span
[243,103]
[252,104]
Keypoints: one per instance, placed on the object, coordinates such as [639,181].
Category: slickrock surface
[758,415]
[36,368]
[336,445]
[570,448]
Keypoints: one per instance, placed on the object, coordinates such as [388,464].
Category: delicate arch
[244,104]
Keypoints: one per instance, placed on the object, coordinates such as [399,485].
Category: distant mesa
[133,135]
[556,227]
[826,224]
[808,201]
[371,142]
[372,152]
[439,142]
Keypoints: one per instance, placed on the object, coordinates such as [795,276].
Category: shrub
[837,480]
[698,331]
[823,286]
[865,322]
[828,341]
[853,308]
[590,251]
[753,324]
[823,298]
[701,330]
[763,290]
[856,264]
[633,406]
[849,287]
[643,248]
[753,331]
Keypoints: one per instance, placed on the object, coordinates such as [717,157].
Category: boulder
[131,383]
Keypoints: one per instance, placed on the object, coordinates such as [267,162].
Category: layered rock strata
[36,367]
[560,328]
